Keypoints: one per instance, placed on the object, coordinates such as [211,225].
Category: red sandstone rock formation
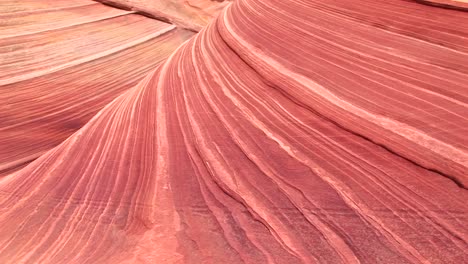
[189,14]
[284,132]
[63,61]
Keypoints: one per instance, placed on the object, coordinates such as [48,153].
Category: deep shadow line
[443,5]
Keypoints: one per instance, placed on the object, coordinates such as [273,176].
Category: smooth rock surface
[315,131]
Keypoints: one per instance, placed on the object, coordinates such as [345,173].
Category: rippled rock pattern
[63,61]
[284,132]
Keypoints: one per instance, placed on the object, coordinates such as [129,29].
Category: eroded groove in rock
[254,143]
[461,5]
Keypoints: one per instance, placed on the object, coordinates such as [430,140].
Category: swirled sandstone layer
[285,132]
[63,61]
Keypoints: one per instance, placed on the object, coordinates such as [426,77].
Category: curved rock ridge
[284,132]
[60,65]
[188,14]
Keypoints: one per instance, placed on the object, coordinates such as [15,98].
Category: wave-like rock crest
[284,132]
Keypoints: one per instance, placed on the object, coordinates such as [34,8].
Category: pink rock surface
[60,65]
[284,132]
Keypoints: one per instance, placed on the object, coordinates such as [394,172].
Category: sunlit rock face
[63,61]
[314,131]
[189,14]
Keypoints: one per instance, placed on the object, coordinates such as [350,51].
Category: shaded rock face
[189,14]
[284,132]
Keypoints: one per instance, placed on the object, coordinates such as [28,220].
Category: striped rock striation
[63,61]
[284,132]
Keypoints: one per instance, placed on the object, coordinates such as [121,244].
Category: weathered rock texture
[285,132]
[63,61]
[189,14]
